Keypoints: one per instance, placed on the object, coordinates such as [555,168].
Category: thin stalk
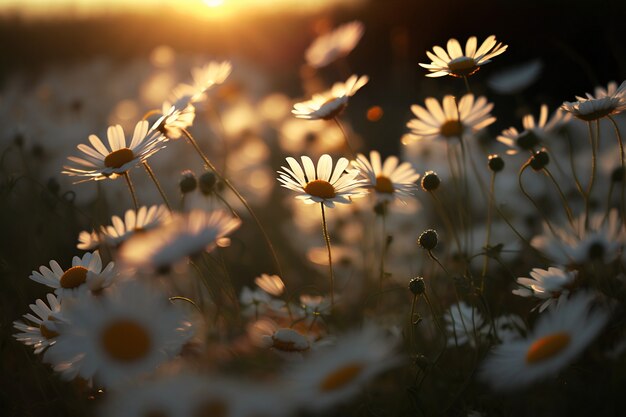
[593,144]
[446,219]
[621,153]
[383,248]
[330,258]
[532,200]
[488,231]
[467,86]
[566,206]
[239,196]
[158,185]
[345,135]
[573,169]
[131,189]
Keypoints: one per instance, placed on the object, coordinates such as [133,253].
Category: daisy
[603,240]
[465,324]
[548,285]
[88,240]
[257,302]
[271,284]
[330,104]
[40,331]
[454,63]
[85,273]
[99,162]
[605,103]
[135,221]
[122,336]
[204,78]
[334,45]
[452,120]
[174,119]
[324,185]
[534,133]
[185,235]
[335,374]
[389,179]
[557,339]
[287,342]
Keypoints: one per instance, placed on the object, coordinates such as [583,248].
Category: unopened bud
[430,181]
[188,182]
[417,286]
[428,239]
[207,183]
[539,160]
[496,163]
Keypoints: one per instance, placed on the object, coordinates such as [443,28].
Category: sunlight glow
[214,3]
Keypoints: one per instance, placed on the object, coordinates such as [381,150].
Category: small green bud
[428,239]
[430,181]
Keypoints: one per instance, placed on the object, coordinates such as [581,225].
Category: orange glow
[374,113]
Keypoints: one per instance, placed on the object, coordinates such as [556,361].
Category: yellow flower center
[462,66]
[45,332]
[320,188]
[74,277]
[383,185]
[341,377]
[118,158]
[547,347]
[451,129]
[211,408]
[125,340]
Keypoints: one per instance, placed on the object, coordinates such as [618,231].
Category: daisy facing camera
[428,239]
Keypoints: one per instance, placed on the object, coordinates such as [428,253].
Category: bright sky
[208,8]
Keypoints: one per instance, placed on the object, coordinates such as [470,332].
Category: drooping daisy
[331,103]
[605,103]
[122,336]
[335,374]
[534,133]
[142,220]
[390,179]
[548,285]
[334,45]
[455,63]
[100,162]
[324,185]
[602,241]
[40,331]
[557,339]
[451,120]
[184,235]
[465,325]
[85,272]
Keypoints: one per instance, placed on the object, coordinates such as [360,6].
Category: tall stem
[345,135]
[131,189]
[330,258]
[467,86]
[158,185]
[532,200]
[621,153]
[488,231]
[239,196]
[566,206]
[593,144]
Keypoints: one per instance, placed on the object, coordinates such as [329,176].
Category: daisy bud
[430,181]
[617,175]
[496,163]
[417,286]
[428,239]
[207,183]
[539,160]
[188,182]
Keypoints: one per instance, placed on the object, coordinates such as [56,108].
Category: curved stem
[131,189]
[532,200]
[446,219]
[621,153]
[158,185]
[488,231]
[593,144]
[330,258]
[568,210]
[345,135]
[239,196]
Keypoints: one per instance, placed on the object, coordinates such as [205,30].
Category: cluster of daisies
[144,326]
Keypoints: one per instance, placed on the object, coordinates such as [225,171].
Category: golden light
[213,3]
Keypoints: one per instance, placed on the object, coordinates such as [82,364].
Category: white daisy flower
[88,240]
[139,221]
[271,284]
[548,285]
[335,374]
[452,120]
[40,331]
[258,302]
[334,45]
[455,63]
[602,240]
[558,338]
[86,272]
[174,118]
[204,78]
[390,179]
[516,79]
[122,336]
[100,162]
[324,185]
[329,104]
[465,325]
[605,103]
[287,342]
[184,235]
[315,305]
[534,133]
[509,327]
